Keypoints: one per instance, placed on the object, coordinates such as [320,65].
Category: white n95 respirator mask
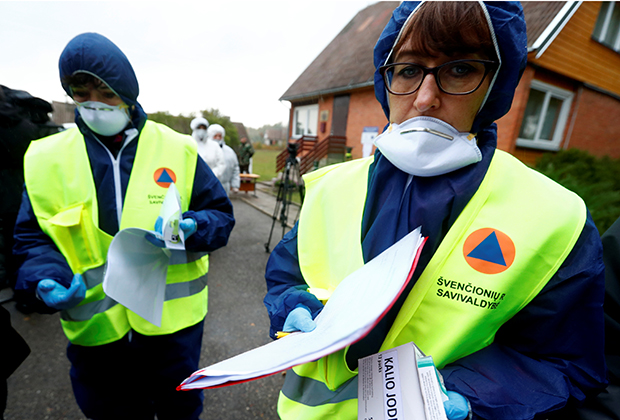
[426,146]
[104,119]
[200,134]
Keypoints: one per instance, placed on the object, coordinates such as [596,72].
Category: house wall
[575,54]
[291,113]
[364,111]
[597,124]
[593,124]
[526,154]
[63,112]
[509,125]
[325,104]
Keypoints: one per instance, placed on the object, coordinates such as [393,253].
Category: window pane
[614,28]
[551,119]
[532,114]
[299,125]
[313,121]
[600,21]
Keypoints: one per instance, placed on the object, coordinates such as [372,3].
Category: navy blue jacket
[38,256]
[548,354]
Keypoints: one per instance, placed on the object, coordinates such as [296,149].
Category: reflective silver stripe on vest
[92,278]
[178,257]
[95,276]
[185,289]
[87,311]
[313,393]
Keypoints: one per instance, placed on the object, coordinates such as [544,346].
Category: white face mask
[426,146]
[200,133]
[103,119]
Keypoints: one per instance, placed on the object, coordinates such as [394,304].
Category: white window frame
[550,91]
[615,44]
[304,109]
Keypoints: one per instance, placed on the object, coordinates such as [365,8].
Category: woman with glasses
[507,293]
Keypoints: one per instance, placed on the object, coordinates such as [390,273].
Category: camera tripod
[291,181]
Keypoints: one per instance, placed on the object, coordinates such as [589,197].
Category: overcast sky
[236,56]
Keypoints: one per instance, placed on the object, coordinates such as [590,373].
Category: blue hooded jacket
[37,254]
[548,355]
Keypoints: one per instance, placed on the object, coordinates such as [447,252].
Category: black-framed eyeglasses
[459,77]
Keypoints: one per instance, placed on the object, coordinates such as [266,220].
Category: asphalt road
[237,321]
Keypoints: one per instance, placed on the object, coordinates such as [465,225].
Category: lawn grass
[264,163]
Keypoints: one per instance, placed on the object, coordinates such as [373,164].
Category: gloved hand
[154,240]
[58,296]
[188,226]
[457,407]
[159,229]
[299,319]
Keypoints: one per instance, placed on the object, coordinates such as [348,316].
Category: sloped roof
[346,63]
[538,16]
[241,130]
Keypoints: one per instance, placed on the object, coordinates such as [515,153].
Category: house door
[341,113]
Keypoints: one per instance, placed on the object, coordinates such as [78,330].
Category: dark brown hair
[447,27]
[82,79]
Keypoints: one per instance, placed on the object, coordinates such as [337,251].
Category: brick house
[568,97]
[63,112]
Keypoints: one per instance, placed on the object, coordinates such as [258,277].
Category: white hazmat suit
[230,177]
[208,150]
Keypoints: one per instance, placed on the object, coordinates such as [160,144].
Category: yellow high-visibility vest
[502,250]
[62,191]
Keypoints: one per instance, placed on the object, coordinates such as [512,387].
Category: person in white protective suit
[230,178]
[208,150]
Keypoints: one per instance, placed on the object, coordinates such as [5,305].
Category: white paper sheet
[136,269]
[354,308]
[171,215]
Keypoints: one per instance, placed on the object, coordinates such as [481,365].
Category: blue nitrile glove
[299,319]
[457,407]
[154,240]
[188,226]
[57,296]
[159,229]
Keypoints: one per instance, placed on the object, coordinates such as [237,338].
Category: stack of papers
[355,307]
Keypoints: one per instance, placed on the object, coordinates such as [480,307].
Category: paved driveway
[237,321]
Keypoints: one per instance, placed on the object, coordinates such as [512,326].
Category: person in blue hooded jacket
[81,187]
[508,290]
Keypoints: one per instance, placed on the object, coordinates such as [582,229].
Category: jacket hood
[95,54]
[198,121]
[216,128]
[508,28]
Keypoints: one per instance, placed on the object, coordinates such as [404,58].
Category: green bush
[596,180]
[181,123]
